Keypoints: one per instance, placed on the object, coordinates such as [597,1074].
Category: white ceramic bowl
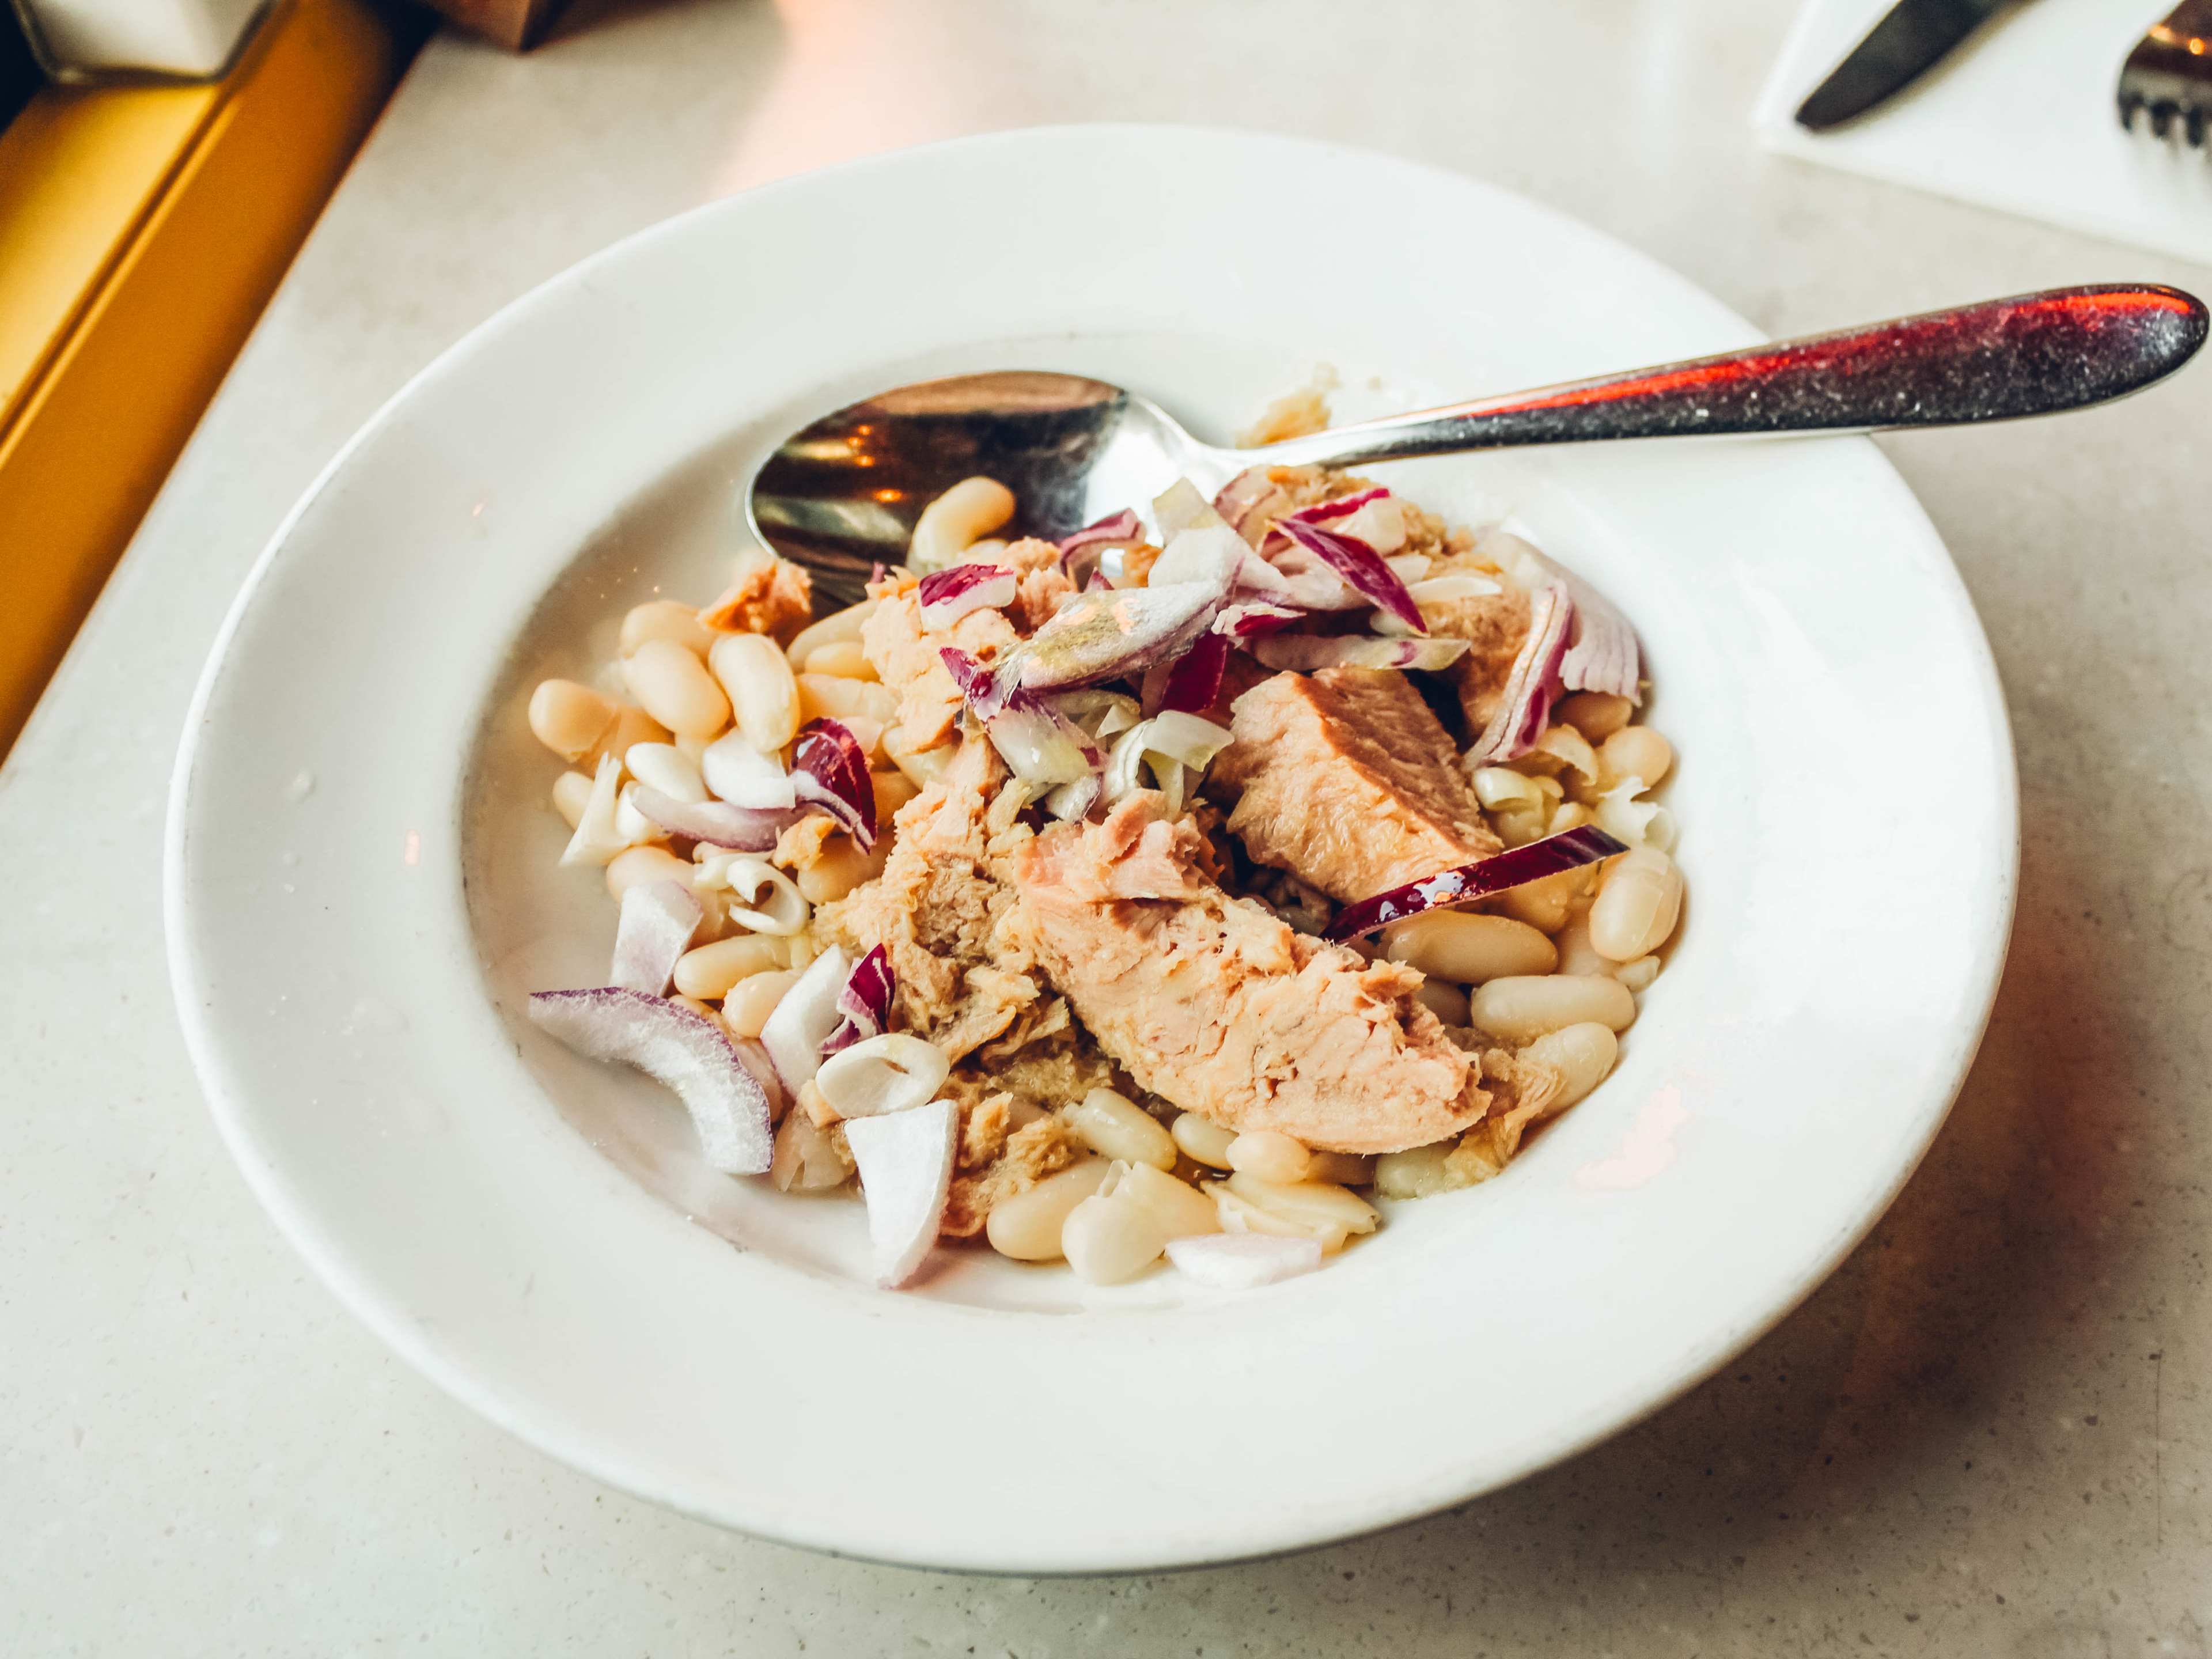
[360,880]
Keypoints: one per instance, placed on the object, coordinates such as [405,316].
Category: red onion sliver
[739,828]
[948,594]
[1343,506]
[1305,652]
[1526,703]
[1102,636]
[657,920]
[1192,683]
[830,769]
[1539,859]
[688,1053]
[1250,621]
[1122,527]
[866,1002]
[1360,566]
[1238,498]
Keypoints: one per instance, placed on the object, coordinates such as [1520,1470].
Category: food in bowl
[1159,894]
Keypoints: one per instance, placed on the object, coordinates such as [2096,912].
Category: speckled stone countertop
[1989,1433]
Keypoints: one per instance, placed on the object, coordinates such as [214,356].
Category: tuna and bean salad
[1167,893]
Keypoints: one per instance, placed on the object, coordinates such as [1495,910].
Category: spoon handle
[2034,354]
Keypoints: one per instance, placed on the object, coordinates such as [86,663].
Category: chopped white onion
[1189,738]
[742,776]
[657,920]
[597,839]
[665,766]
[1242,1261]
[905,1161]
[1439,590]
[804,1016]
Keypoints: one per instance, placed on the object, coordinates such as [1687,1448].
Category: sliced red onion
[1180,507]
[1525,704]
[830,769]
[905,1161]
[1602,653]
[1072,801]
[657,920]
[1122,527]
[690,1054]
[948,594]
[1539,859]
[1236,500]
[1242,1261]
[740,829]
[1305,652]
[803,1018]
[1110,635]
[1327,512]
[1192,683]
[1248,622]
[742,776]
[1360,566]
[865,1001]
[1040,745]
[1379,520]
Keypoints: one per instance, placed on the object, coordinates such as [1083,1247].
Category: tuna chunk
[1349,782]
[1214,1004]
[938,907]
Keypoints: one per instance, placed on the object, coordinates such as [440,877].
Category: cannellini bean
[710,970]
[1634,751]
[1501,788]
[1568,815]
[644,864]
[1544,903]
[1467,947]
[665,766]
[807,1158]
[674,687]
[988,549]
[1109,1238]
[838,698]
[924,767]
[1419,1172]
[1582,1053]
[747,1005]
[1202,1140]
[1114,1125]
[1596,714]
[879,1074]
[893,791]
[1319,1202]
[842,867]
[1183,1211]
[842,658]
[761,688]
[1345,1169]
[1524,1007]
[969,510]
[1576,954]
[571,791]
[665,619]
[1027,1227]
[1637,975]
[1269,1155]
[568,718]
[1639,905]
[834,628]
[1444,1000]
[1240,1215]
[632,727]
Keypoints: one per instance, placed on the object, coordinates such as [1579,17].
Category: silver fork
[2168,76]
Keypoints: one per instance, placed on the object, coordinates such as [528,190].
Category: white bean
[711,971]
[1637,975]
[1443,1000]
[1634,751]
[1544,903]
[923,767]
[665,619]
[644,864]
[571,791]
[1202,1140]
[842,867]
[893,790]
[761,688]
[842,659]
[1596,714]
[839,698]
[1114,1126]
[1467,947]
[665,766]
[1269,1155]
[1108,1238]
[674,687]
[1524,1008]
[1314,1202]
[836,628]
[1418,1172]
[1639,905]
[632,727]
[1027,1227]
[568,718]
[1576,954]
[969,510]
[1182,1210]
[747,1005]
[1240,1214]
[1582,1053]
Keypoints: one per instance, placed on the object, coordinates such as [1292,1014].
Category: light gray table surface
[1991,1432]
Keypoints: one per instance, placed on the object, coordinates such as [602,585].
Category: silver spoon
[843,494]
